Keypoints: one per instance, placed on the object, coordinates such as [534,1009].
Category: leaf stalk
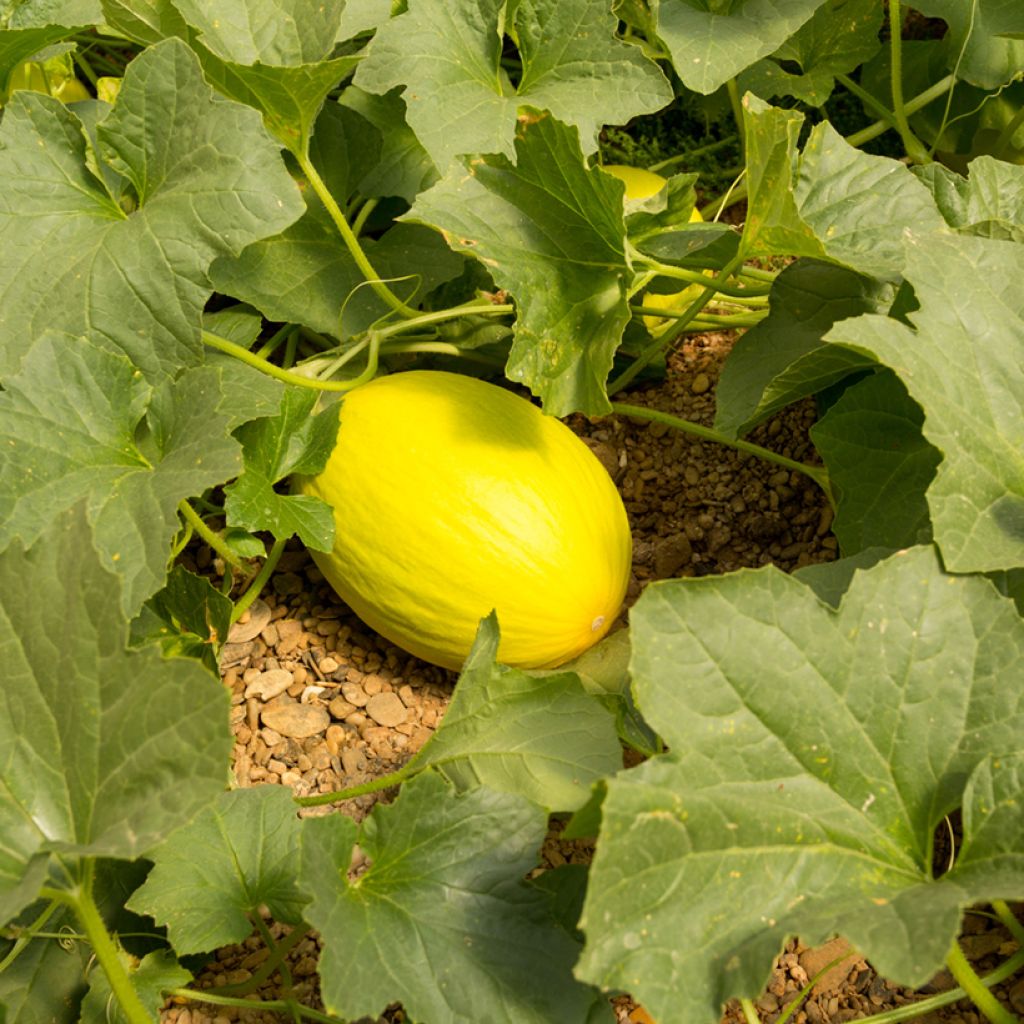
[816,473]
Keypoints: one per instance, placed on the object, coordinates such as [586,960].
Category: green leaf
[990,202]
[785,358]
[297,440]
[550,231]
[86,767]
[711,43]
[274,55]
[532,735]
[33,13]
[981,46]
[306,274]
[839,37]
[81,423]
[151,977]
[830,580]
[831,201]
[445,884]
[207,179]
[45,984]
[963,363]
[404,168]
[809,766]
[145,21]
[210,877]
[188,617]
[447,53]
[879,464]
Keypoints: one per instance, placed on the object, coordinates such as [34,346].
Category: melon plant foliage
[286,197]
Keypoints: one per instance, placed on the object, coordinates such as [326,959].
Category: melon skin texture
[453,497]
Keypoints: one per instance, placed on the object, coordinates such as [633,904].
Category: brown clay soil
[321,703]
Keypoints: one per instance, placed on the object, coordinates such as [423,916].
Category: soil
[320,702]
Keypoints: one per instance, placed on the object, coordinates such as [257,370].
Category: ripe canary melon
[453,497]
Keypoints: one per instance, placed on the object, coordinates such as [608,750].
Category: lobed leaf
[550,231]
[83,425]
[539,736]
[831,201]
[444,885]
[86,767]
[963,363]
[211,876]
[207,180]
[809,765]
[296,440]
[458,98]
[710,44]
[990,202]
[839,37]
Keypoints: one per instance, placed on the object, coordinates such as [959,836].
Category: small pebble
[251,624]
[268,685]
[386,709]
[296,720]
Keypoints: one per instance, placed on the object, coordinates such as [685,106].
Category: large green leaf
[879,465]
[981,34]
[274,55]
[445,886]
[550,231]
[963,363]
[839,37]
[447,53]
[809,765]
[785,357]
[212,876]
[831,200]
[989,202]
[712,42]
[537,736]
[297,440]
[82,424]
[207,179]
[103,752]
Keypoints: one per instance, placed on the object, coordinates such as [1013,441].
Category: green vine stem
[250,358]
[31,932]
[913,145]
[260,581]
[279,951]
[975,988]
[708,289]
[1009,920]
[704,320]
[373,786]
[749,1012]
[817,473]
[737,112]
[868,100]
[699,277]
[215,541]
[82,902]
[273,1005]
[350,239]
